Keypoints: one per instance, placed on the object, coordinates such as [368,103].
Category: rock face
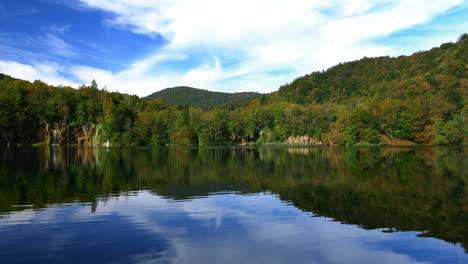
[85,135]
[302,140]
[61,134]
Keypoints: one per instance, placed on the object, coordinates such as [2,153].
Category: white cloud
[253,45]
[57,45]
[49,72]
[124,81]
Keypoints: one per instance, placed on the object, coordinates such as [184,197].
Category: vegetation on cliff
[420,98]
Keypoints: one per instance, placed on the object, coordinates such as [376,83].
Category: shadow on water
[399,189]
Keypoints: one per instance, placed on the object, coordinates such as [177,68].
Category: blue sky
[142,46]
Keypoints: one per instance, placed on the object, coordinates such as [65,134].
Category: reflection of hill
[420,189]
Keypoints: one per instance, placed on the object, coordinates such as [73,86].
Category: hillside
[183,95]
[416,99]
[439,70]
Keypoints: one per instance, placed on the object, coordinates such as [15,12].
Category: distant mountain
[184,95]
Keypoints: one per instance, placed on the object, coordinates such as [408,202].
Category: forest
[183,95]
[417,99]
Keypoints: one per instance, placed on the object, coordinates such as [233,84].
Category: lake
[234,205]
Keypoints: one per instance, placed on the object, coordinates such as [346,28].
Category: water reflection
[234,204]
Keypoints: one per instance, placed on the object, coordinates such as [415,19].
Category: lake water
[234,205]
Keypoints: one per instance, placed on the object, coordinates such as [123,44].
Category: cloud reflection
[225,228]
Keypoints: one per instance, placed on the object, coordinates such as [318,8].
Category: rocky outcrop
[302,140]
[84,135]
[62,134]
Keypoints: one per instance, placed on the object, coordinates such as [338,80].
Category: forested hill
[441,70]
[417,99]
[183,95]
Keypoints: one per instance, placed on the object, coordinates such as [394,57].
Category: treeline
[28,110]
[420,99]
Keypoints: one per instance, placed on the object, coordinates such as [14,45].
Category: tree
[94,85]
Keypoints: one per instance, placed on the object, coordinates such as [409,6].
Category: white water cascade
[54,138]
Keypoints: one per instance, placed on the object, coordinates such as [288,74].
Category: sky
[142,46]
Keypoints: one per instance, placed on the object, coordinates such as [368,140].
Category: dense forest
[417,99]
[183,95]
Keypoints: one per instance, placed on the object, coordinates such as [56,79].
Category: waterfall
[54,138]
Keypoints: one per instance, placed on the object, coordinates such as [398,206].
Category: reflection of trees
[420,189]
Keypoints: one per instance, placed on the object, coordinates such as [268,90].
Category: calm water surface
[234,205]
